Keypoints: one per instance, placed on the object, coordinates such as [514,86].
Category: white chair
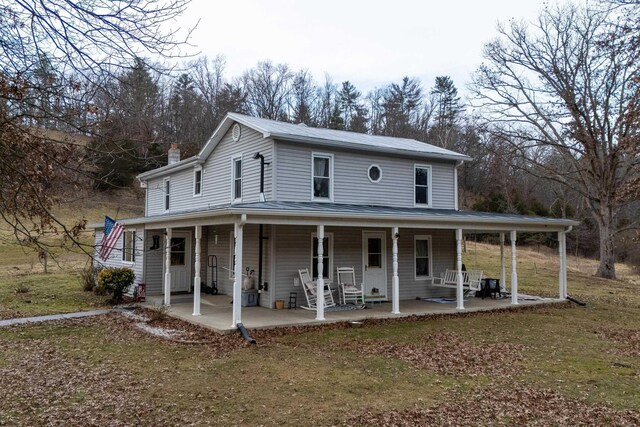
[310,288]
[350,291]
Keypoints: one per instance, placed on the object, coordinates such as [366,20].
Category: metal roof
[360,213]
[302,133]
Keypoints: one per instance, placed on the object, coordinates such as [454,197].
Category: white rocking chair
[310,288]
[350,291]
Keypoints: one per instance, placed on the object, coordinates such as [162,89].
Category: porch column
[503,267]
[459,288]
[237,282]
[167,268]
[320,281]
[562,248]
[514,273]
[196,277]
[395,282]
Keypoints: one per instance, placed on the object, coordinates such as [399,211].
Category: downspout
[455,179]
[261,237]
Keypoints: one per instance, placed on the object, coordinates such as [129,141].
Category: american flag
[111,234]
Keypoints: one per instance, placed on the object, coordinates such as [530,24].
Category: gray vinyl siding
[115,258]
[293,252]
[154,261]
[351,184]
[216,176]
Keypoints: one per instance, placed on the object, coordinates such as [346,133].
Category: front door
[374,264]
[180,261]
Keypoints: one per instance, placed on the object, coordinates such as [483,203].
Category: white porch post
[167,268]
[562,248]
[459,288]
[237,282]
[196,277]
[503,267]
[320,281]
[514,273]
[395,282]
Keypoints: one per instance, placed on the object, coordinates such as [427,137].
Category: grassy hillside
[16,260]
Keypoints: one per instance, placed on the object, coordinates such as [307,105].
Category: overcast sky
[370,43]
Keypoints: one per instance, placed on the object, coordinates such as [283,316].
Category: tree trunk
[607,267]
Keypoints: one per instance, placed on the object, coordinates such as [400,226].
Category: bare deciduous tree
[56,55]
[563,88]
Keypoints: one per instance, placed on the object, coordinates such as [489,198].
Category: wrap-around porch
[393,226]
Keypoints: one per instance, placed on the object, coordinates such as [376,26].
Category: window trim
[429,184]
[133,247]
[166,195]
[428,238]
[380,169]
[329,156]
[329,268]
[234,159]
[195,172]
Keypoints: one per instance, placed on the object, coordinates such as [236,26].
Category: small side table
[293,300]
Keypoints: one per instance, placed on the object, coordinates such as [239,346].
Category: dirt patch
[448,353]
[502,407]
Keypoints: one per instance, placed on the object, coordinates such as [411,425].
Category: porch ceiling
[299,213]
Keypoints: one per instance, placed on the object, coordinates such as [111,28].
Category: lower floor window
[129,246]
[422,255]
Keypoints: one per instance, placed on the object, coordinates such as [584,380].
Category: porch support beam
[237,281]
[562,248]
[459,288]
[514,273]
[196,276]
[320,281]
[503,266]
[167,267]
[395,281]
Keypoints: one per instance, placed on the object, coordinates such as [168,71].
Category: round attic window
[235,132]
[374,173]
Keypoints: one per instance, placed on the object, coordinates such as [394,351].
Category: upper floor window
[374,173]
[322,177]
[129,246]
[167,194]
[422,185]
[237,178]
[197,181]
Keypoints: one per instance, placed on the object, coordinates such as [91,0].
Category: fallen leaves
[501,406]
[448,353]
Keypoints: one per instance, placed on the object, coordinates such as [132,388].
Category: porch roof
[350,215]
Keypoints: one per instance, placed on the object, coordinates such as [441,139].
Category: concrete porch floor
[217,310]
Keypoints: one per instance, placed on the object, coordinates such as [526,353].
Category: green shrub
[115,281]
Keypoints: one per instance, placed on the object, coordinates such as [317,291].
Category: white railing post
[196,277]
[167,268]
[459,288]
[237,281]
[320,281]
[514,273]
[503,266]
[562,248]
[395,282]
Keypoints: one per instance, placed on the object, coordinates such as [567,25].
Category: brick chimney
[174,154]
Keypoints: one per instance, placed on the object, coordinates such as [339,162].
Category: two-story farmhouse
[276,197]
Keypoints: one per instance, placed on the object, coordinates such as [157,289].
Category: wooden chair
[310,288]
[350,291]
